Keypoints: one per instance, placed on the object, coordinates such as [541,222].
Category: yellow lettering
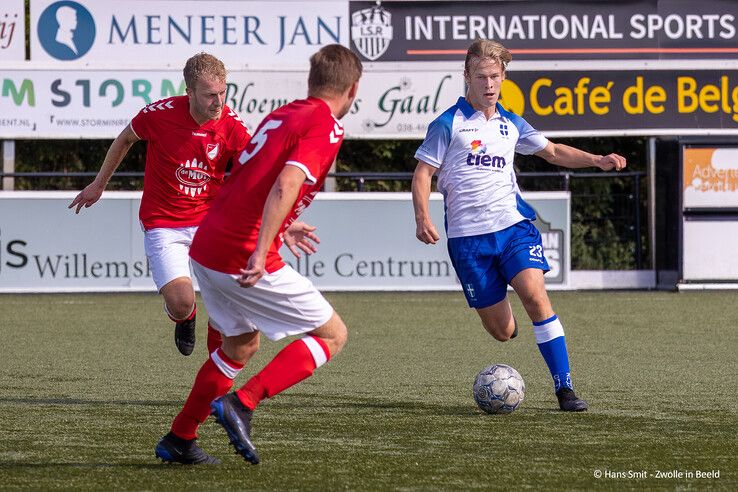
[637,92]
[564,103]
[542,110]
[655,95]
[724,88]
[600,95]
[686,91]
[709,94]
[581,90]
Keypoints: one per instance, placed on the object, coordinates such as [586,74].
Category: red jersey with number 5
[185,162]
[303,133]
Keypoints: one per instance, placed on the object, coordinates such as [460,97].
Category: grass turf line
[88,383]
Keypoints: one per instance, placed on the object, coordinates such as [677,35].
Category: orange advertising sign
[710,177]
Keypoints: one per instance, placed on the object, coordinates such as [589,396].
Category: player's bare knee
[496,333]
[341,337]
[501,337]
[338,338]
[535,302]
[334,333]
[179,297]
[501,332]
[251,347]
[180,308]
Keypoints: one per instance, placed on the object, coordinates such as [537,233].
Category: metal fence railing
[620,227]
[624,194]
[618,224]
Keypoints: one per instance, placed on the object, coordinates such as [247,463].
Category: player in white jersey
[491,238]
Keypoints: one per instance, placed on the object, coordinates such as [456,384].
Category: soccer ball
[499,389]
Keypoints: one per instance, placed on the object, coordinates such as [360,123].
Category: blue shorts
[485,264]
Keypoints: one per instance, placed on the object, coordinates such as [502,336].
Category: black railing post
[637,195]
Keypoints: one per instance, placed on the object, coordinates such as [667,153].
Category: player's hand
[299,236]
[612,161]
[253,271]
[87,197]
[426,232]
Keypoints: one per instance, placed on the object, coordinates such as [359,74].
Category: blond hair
[333,69]
[202,66]
[486,48]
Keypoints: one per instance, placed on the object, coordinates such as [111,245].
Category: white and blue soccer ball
[499,389]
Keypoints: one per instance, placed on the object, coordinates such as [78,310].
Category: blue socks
[550,338]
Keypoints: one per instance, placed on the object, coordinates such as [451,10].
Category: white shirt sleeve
[437,139]
[530,140]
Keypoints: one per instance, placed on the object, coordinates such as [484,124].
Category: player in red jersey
[191,140]
[246,286]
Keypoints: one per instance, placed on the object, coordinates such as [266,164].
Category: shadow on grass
[296,401]
[424,407]
[39,466]
[81,401]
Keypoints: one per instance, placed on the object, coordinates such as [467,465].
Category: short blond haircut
[203,66]
[333,69]
[486,48]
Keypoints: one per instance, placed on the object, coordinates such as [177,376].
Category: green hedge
[603,210]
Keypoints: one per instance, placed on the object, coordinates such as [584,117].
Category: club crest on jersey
[212,150]
[478,156]
[193,177]
[503,130]
[470,291]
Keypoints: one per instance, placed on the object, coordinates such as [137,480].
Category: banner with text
[636,102]
[45,247]
[12,31]
[99,104]
[540,30]
[391,103]
[368,242]
[161,32]
[710,177]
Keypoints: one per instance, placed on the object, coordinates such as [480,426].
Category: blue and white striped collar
[468,111]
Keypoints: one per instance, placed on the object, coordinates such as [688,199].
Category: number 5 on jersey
[259,140]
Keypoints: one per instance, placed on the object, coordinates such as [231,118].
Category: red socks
[295,362]
[214,339]
[213,380]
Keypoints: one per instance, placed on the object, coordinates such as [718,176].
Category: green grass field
[88,383]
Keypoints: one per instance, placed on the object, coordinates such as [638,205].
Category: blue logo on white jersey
[503,130]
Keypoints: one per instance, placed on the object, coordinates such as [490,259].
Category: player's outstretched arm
[573,158]
[278,204]
[117,151]
[425,231]
[301,236]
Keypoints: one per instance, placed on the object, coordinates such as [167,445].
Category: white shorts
[168,251]
[281,304]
